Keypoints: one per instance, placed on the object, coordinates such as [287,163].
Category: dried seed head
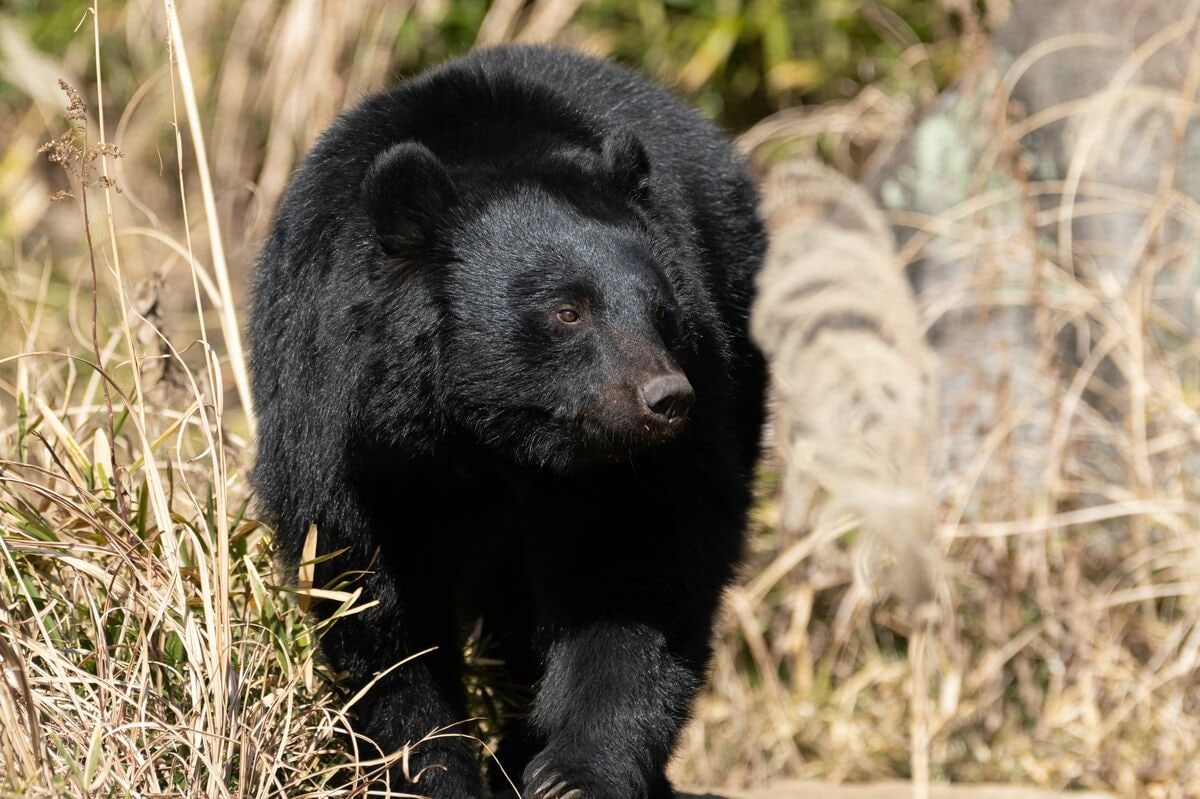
[72,152]
[76,107]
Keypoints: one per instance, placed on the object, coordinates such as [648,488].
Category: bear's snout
[666,399]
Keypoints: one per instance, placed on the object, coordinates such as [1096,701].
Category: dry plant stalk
[853,394]
[78,158]
[852,378]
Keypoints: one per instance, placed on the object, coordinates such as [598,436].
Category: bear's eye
[568,315]
[660,314]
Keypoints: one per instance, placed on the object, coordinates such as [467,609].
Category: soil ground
[892,790]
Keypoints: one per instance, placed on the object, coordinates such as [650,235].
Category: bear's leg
[423,696]
[614,697]
[625,608]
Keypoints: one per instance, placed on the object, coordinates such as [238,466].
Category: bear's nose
[668,398]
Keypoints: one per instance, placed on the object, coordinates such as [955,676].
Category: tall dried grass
[149,645]
[1069,419]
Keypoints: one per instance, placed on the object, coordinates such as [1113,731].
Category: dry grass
[146,643]
[1069,514]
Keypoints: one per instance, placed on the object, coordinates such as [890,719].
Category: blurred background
[1038,168]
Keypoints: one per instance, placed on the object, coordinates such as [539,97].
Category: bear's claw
[552,787]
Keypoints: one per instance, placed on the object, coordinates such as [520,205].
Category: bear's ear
[407,192]
[626,162]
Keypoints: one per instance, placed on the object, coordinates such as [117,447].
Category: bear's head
[560,340]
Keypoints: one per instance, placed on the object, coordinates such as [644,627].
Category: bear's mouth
[597,442]
[579,439]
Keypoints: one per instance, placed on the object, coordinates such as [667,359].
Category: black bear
[501,361]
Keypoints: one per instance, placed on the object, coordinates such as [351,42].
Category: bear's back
[510,102]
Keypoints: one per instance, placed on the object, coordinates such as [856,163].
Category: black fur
[470,284]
